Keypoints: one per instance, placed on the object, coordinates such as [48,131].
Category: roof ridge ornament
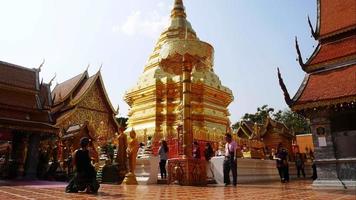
[87,67]
[50,82]
[300,58]
[287,98]
[41,65]
[314,34]
[101,66]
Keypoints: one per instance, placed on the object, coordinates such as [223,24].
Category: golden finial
[178,9]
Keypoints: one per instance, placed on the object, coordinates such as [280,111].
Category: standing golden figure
[132,150]
[121,157]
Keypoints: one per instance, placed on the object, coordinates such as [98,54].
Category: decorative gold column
[187,122]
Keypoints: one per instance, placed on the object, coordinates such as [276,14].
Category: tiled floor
[293,190]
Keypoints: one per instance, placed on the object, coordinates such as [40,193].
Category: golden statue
[121,157]
[132,150]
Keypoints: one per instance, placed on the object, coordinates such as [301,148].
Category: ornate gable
[94,100]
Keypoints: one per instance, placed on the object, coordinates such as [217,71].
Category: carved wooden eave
[307,67]
[287,98]
[27,125]
[300,58]
[300,90]
[312,31]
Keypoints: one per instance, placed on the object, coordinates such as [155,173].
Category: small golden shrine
[265,137]
[156,101]
[81,108]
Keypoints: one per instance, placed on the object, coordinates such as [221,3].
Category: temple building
[271,134]
[158,106]
[327,96]
[81,107]
[25,120]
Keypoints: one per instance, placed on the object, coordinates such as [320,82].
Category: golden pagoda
[179,90]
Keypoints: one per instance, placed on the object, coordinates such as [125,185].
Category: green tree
[293,121]
[260,116]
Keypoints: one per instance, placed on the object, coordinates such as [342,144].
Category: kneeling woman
[85,174]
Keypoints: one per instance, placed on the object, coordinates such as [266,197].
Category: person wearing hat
[85,174]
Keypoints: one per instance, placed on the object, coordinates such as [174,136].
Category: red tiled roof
[329,85]
[21,94]
[61,92]
[18,99]
[335,50]
[336,15]
[14,75]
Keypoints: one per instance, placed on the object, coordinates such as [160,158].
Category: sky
[251,39]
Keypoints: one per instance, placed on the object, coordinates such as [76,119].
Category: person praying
[85,173]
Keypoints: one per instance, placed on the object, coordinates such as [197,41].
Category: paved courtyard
[293,190]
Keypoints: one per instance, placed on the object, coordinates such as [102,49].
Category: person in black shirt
[85,174]
[282,163]
[209,152]
[196,150]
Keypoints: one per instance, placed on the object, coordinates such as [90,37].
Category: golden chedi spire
[178,9]
[156,100]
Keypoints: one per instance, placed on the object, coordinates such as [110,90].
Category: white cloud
[149,24]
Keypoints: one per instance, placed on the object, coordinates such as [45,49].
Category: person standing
[282,163]
[299,163]
[208,154]
[196,150]
[163,156]
[230,160]
[85,174]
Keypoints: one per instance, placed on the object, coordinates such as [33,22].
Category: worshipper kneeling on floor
[85,174]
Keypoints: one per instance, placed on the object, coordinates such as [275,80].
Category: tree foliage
[292,120]
[260,116]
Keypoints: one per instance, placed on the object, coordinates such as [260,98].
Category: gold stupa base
[130,179]
[187,171]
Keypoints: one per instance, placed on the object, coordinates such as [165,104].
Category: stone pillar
[187,123]
[324,151]
[32,157]
[21,156]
